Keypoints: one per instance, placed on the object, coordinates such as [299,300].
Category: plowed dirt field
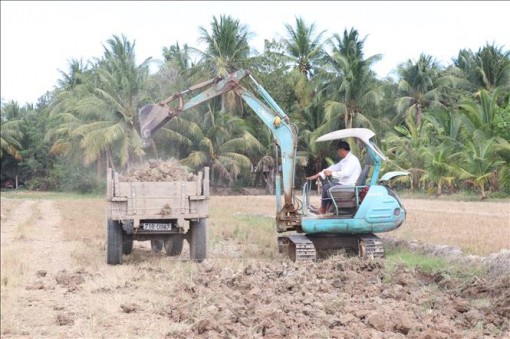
[59,286]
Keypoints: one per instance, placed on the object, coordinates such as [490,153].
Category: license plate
[152,226]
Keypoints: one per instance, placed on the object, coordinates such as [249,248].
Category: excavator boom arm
[153,117]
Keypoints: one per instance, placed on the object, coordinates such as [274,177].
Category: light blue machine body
[375,214]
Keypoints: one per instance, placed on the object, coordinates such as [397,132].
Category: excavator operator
[344,172]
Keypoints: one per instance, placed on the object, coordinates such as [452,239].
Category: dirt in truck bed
[158,171]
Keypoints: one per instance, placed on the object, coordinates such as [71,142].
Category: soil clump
[158,171]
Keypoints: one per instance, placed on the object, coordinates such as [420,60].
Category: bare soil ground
[57,285]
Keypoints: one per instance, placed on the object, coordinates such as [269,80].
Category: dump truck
[165,213]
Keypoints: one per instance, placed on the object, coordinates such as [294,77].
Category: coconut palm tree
[303,46]
[77,71]
[64,120]
[488,68]
[446,127]
[121,91]
[227,49]
[10,131]
[483,115]
[350,82]
[101,113]
[418,87]
[10,137]
[179,56]
[303,50]
[439,170]
[227,45]
[479,163]
[480,124]
[406,145]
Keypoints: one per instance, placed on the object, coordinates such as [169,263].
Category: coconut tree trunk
[100,173]
[270,182]
[109,159]
[482,191]
[418,114]
[223,103]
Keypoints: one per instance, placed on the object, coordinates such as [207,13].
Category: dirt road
[33,248]
[60,288]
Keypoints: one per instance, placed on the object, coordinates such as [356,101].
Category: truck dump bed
[135,201]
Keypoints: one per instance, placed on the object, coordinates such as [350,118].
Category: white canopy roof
[364,134]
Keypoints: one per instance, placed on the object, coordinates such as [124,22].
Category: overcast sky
[38,38]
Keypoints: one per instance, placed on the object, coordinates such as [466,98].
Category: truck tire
[127,244]
[113,243]
[156,245]
[173,246]
[198,240]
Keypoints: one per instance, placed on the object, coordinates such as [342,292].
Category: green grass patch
[431,264]
[262,222]
[252,235]
[250,228]
[33,195]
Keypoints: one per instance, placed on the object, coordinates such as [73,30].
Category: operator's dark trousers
[326,200]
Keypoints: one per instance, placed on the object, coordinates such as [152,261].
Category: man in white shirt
[344,172]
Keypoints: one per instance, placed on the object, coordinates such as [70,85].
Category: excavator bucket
[151,118]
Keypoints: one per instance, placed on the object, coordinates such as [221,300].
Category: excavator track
[370,246]
[297,247]
[301,248]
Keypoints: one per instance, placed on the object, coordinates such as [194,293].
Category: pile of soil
[339,298]
[157,171]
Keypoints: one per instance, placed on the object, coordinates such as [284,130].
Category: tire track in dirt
[40,221]
[12,217]
[34,253]
[50,240]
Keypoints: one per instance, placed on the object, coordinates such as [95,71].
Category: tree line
[449,126]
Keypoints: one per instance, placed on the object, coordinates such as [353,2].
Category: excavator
[356,212]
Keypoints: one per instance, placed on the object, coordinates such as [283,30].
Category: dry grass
[243,226]
[246,223]
[84,225]
[479,228]
[15,266]
[84,218]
